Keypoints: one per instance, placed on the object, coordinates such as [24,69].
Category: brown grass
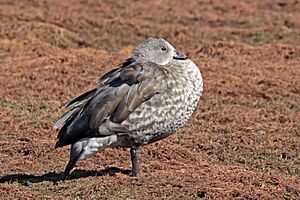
[243,141]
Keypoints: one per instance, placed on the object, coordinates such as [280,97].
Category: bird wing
[100,112]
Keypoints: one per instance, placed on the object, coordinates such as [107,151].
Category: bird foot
[136,174]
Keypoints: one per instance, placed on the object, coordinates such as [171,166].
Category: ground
[242,142]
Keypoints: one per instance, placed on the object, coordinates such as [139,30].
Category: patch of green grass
[223,8]
[257,22]
[32,114]
[258,38]
[17,108]
[292,38]
[263,37]
[44,34]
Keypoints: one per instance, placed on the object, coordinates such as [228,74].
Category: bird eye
[164,49]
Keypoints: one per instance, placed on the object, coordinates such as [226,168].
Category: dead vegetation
[243,141]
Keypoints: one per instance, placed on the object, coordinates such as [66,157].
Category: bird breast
[168,110]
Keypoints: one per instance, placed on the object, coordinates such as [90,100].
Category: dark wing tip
[58,144]
[80,97]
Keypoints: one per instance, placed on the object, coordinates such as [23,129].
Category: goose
[144,100]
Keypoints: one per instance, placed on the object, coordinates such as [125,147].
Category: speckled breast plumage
[167,111]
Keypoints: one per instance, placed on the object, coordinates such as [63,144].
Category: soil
[242,142]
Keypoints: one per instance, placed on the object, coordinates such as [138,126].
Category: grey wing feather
[62,121]
[76,104]
[80,98]
[118,94]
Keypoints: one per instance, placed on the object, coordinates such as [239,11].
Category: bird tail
[76,104]
[87,147]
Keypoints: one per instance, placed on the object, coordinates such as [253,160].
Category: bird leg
[134,152]
[68,168]
[75,154]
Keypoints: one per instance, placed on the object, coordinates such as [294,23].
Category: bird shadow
[54,177]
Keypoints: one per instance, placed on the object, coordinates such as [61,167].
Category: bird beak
[179,56]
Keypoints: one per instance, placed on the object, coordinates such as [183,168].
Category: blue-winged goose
[145,100]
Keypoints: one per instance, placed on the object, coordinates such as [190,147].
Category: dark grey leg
[69,167]
[134,152]
[74,157]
